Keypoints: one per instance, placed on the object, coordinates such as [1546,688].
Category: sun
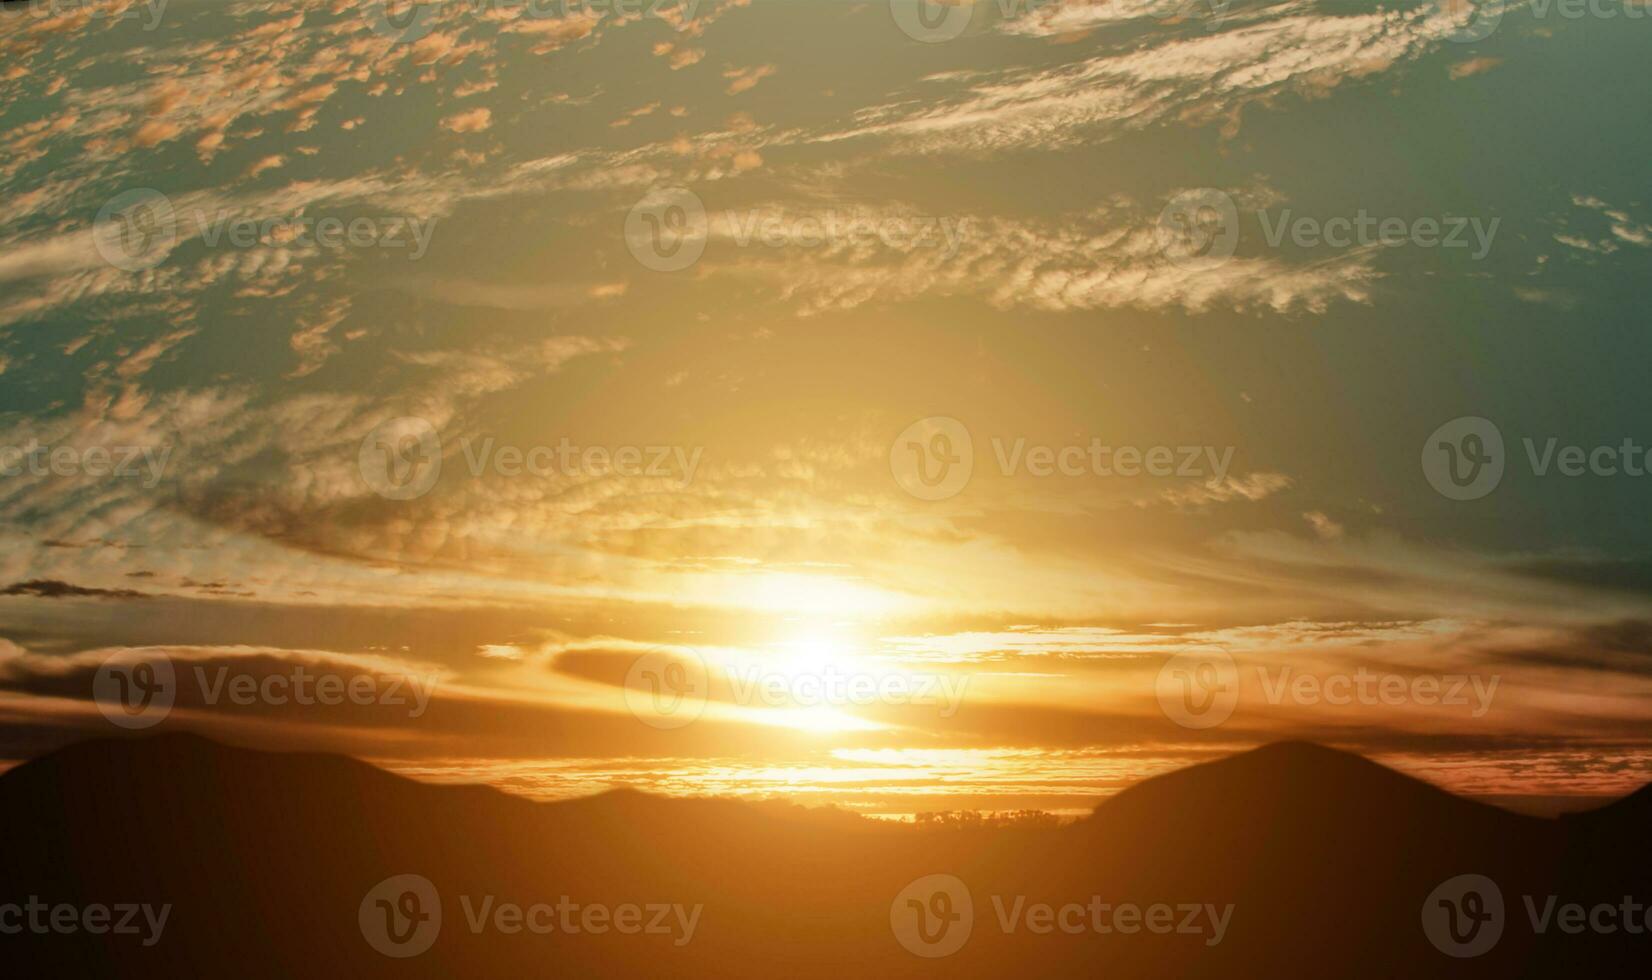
[813,653]
[818,596]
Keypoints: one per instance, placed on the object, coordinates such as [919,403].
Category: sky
[891,405]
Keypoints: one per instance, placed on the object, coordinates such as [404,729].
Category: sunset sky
[894,246]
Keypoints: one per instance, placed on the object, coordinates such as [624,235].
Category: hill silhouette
[272,865]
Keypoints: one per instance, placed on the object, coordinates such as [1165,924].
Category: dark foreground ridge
[1292,859]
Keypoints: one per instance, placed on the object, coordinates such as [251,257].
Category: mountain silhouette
[291,864]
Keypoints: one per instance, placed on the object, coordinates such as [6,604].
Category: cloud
[1065,18]
[745,79]
[1110,258]
[1474,66]
[1623,229]
[1252,487]
[502,296]
[1323,526]
[1196,76]
[272,162]
[472,121]
[53,589]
